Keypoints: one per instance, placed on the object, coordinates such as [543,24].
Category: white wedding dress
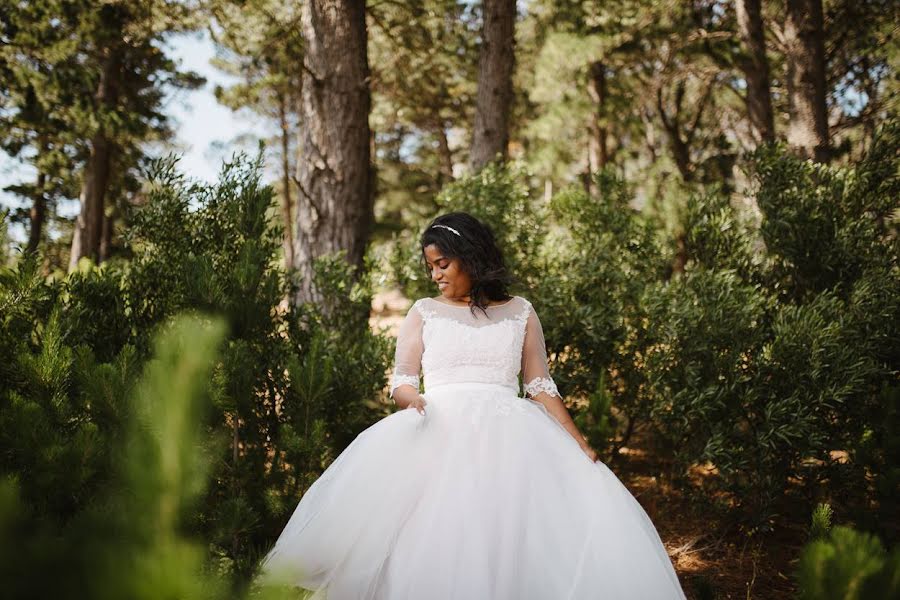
[485,497]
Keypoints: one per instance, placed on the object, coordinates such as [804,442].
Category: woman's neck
[458,300]
[462,301]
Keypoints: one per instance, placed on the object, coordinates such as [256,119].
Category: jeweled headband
[448,227]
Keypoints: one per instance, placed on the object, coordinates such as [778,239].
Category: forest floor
[714,559]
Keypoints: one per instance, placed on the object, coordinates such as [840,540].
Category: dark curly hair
[478,253]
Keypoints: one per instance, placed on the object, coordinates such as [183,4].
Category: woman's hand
[592,454]
[418,403]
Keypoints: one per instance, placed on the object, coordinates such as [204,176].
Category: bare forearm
[557,408]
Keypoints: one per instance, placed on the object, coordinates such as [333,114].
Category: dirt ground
[713,560]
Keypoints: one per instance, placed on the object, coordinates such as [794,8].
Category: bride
[471,492]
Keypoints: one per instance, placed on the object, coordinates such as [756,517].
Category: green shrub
[599,255]
[292,386]
[770,354]
[129,540]
[841,563]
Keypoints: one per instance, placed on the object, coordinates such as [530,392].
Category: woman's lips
[442,284]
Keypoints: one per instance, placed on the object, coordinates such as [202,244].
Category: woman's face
[453,282]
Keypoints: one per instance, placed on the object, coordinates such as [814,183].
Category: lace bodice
[450,344]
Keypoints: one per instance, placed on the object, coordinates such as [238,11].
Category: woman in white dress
[471,492]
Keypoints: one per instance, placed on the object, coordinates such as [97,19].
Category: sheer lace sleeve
[408,355]
[535,373]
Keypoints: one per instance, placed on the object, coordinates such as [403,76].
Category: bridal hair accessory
[447,227]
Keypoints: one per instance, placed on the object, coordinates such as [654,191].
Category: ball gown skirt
[484,497]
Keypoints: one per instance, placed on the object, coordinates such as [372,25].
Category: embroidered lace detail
[523,314]
[501,406]
[541,384]
[457,351]
[397,380]
[426,312]
[429,313]
[516,318]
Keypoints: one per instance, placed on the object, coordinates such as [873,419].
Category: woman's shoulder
[523,300]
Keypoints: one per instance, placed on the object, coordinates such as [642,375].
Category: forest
[701,198]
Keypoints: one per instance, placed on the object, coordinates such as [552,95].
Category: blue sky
[202,123]
[206,130]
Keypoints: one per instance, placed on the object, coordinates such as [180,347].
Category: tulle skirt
[485,497]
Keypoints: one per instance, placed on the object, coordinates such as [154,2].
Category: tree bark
[334,172]
[756,68]
[495,68]
[89,223]
[805,53]
[286,201]
[38,214]
[107,235]
[444,153]
[88,231]
[599,150]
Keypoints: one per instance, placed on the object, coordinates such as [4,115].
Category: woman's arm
[557,408]
[408,362]
[540,386]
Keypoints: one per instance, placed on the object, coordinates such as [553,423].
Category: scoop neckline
[467,306]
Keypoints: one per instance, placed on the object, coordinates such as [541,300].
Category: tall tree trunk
[599,154]
[286,201]
[334,172]
[38,214]
[756,68]
[805,53]
[586,175]
[89,223]
[107,235]
[446,157]
[495,69]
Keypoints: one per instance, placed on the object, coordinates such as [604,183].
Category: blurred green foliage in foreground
[130,540]
[284,389]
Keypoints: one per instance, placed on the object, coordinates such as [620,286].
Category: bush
[599,256]
[841,563]
[767,351]
[779,365]
[762,346]
[128,540]
[292,386]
